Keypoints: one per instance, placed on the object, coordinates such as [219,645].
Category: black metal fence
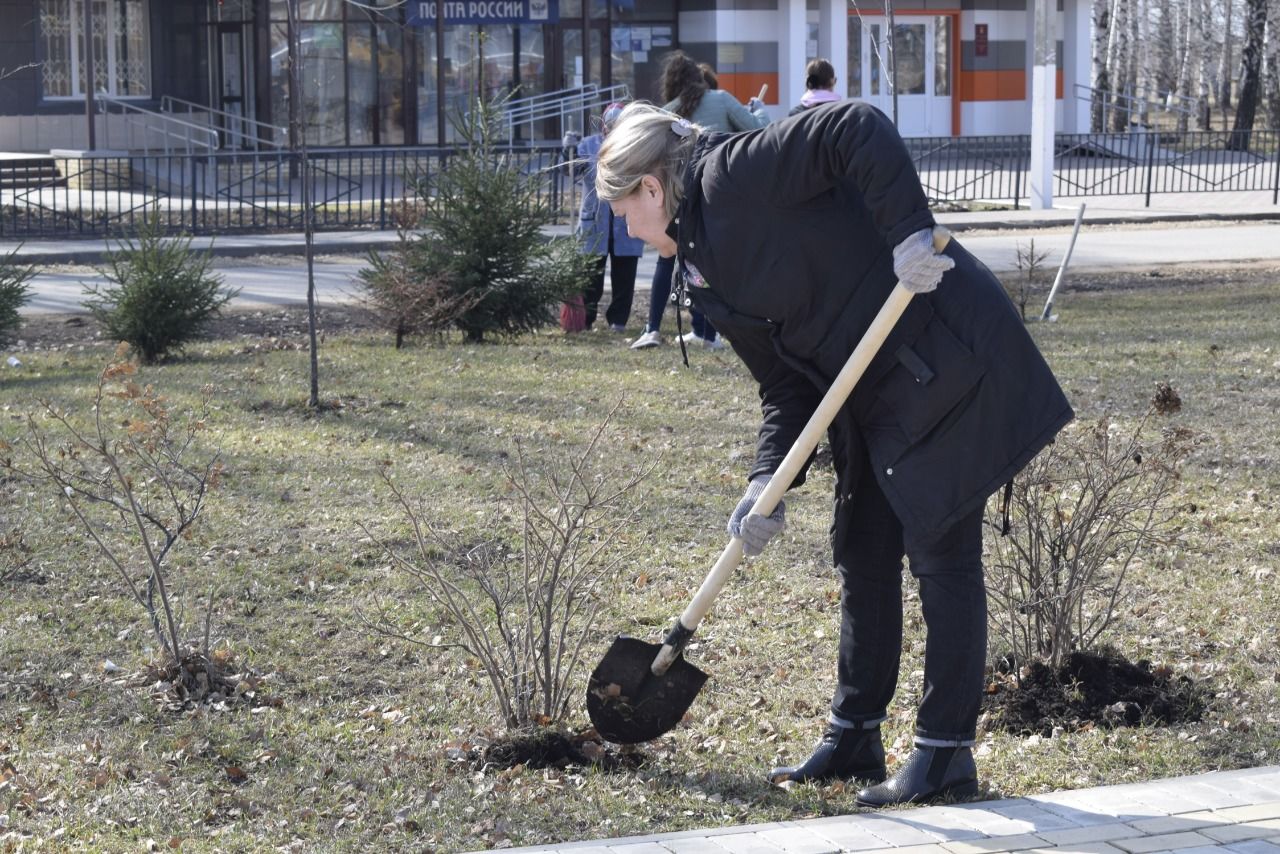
[366,188]
[231,192]
[1140,163]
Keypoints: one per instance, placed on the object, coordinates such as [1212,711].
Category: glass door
[922,53]
[231,85]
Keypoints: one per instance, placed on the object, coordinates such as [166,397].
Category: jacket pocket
[929,376]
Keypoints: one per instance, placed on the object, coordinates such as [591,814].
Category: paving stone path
[1223,812]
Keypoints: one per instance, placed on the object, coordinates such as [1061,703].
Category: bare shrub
[1027,282]
[1080,512]
[136,483]
[523,604]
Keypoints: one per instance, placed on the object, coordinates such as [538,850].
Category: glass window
[428,100]
[909,57]
[390,47]
[121,47]
[362,86]
[498,71]
[595,57]
[877,60]
[942,55]
[854,84]
[459,69]
[320,10]
[533,61]
[571,55]
[323,91]
[621,57]
[58,69]
[648,10]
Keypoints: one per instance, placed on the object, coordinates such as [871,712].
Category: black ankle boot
[927,774]
[842,754]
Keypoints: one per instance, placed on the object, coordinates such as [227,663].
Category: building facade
[388,72]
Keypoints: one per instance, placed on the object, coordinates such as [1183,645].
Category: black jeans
[953,600]
[660,295]
[622,287]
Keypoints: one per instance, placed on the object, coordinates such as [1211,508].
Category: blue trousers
[660,295]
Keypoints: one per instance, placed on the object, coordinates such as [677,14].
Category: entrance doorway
[233,90]
[925,68]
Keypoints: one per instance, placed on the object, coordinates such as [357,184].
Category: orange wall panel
[746,85]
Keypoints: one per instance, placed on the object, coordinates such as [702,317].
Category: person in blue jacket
[790,239]
[605,236]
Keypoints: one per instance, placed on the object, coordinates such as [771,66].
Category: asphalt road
[282,280]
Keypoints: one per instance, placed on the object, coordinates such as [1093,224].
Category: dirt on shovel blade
[628,704]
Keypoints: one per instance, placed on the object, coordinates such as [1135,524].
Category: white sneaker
[716,343]
[647,340]
[689,337]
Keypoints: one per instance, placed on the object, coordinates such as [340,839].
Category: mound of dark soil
[1091,689]
[548,748]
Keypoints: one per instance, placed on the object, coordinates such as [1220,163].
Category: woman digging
[789,239]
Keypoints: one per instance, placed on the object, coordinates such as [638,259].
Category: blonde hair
[644,143]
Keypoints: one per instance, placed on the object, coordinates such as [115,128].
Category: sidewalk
[1223,812]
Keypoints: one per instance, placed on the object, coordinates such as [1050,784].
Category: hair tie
[681,127]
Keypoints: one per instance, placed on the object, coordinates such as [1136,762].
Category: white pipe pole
[1062,268]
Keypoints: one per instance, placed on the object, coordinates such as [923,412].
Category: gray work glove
[917,266]
[756,530]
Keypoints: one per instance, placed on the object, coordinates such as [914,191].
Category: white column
[1076,64]
[791,54]
[833,38]
[1042,106]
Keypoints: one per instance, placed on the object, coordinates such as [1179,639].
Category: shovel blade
[627,703]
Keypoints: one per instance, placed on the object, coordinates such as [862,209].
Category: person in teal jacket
[685,89]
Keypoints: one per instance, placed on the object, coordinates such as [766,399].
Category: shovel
[640,690]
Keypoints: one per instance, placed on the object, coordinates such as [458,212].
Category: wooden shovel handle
[795,459]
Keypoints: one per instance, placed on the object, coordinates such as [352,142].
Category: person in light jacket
[819,86]
[605,236]
[686,91]
[790,238]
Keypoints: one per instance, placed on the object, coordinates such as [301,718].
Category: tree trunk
[299,135]
[1271,70]
[1101,79]
[1225,64]
[1118,50]
[1182,88]
[1204,118]
[1250,74]
[1139,56]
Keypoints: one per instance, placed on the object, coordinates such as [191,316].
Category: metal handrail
[168,126]
[561,104]
[1132,103]
[168,102]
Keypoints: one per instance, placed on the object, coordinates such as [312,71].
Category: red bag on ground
[573,315]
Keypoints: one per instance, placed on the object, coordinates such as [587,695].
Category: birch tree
[1101,75]
[1205,70]
[1186,59]
[1271,70]
[1225,62]
[1250,74]
[1118,49]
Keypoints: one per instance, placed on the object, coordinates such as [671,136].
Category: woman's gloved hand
[756,530]
[917,266]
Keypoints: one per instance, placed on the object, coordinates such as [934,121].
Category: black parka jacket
[792,229]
